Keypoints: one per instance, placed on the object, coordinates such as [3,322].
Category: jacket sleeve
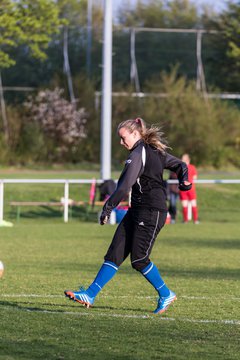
[176,165]
[127,179]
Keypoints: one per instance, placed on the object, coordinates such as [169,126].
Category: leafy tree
[192,123]
[224,58]
[208,130]
[231,26]
[9,31]
[27,22]
[157,51]
[160,13]
[73,14]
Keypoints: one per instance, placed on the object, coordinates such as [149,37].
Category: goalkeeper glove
[105,215]
[184,187]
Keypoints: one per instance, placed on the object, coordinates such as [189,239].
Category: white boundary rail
[67,182]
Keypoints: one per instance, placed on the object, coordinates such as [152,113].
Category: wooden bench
[19,204]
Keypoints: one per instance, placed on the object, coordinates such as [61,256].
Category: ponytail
[152,136]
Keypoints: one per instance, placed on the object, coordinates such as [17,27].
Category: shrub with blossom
[62,123]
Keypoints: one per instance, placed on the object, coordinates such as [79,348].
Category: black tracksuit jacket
[143,176]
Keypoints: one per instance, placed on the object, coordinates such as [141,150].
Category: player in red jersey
[190,195]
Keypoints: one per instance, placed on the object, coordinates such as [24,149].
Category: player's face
[128,139]
[186,159]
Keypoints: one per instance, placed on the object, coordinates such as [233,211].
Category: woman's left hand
[185,186]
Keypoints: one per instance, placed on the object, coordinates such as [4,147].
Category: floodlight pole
[106,110]
[89,37]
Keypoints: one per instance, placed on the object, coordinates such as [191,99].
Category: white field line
[128,316]
[132,316]
[58,296]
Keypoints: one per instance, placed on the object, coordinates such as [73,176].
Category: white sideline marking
[129,316]
[116,297]
[132,316]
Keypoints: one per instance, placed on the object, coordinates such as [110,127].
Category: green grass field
[43,257]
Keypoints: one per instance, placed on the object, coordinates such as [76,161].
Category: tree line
[45,45]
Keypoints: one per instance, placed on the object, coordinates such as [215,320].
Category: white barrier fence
[67,182]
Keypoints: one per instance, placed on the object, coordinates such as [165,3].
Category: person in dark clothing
[106,189]
[136,233]
[173,192]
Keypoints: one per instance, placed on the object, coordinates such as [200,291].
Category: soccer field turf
[199,262]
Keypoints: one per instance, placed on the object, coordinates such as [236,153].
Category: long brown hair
[152,135]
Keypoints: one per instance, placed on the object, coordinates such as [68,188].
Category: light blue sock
[152,274]
[105,274]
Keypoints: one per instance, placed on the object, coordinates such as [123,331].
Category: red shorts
[188,195]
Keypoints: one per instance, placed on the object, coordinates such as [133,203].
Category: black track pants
[136,235]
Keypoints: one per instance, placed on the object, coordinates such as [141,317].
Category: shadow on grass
[199,272]
[64,308]
[205,243]
[28,350]
[76,212]
[217,273]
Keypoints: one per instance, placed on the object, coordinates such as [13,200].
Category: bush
[62,124]
[208,129]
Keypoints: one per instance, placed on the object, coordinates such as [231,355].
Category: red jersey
[190,194]
[192,173]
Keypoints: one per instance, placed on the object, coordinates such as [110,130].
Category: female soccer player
[136,234]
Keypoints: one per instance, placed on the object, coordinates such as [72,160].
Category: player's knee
[194,202]
[113,259]
[139,265]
